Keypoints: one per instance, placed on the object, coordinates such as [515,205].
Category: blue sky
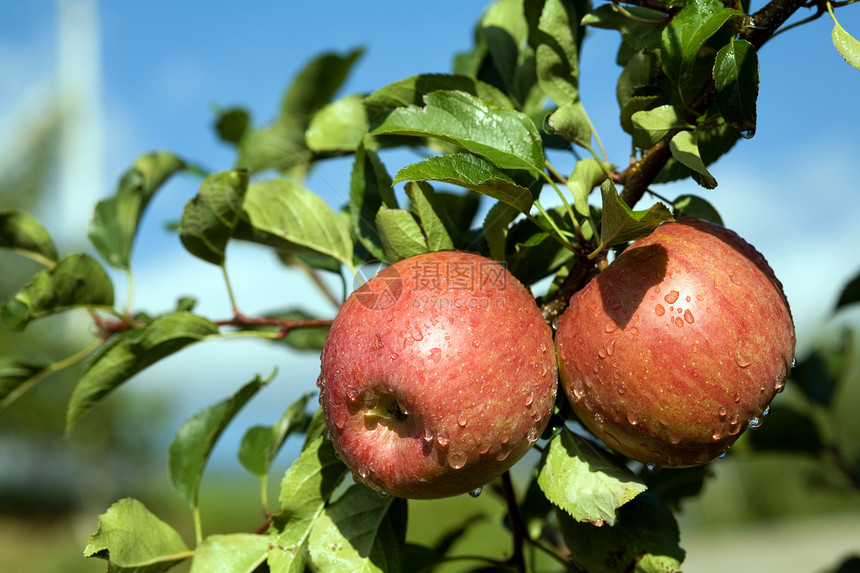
[791,190]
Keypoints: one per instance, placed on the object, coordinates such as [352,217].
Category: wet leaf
[209,219]
[78,280]
[620,224]
[504,137]
[285,215]
[115,220]
[580,479]
[130,352]
[644,539]
[134,540]
[685,35]
[22,233]
[736,76]
[685,149]
[400,234]
[361,531]
[195,439]
[234,553]
[470,172]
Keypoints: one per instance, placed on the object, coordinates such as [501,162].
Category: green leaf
[369,189]
[644,539]
[361,531]
[411,91]
[285,215]
[132,351]
[340,126]
[504,137]
[638,34]
[495,228]
[847,46]
[431,214]
[651,126]
[587,173]
[850,293]
[261,444]
[713,141]
[281,144]
[232,124]
[15,373]
[557,53]
[685,35]
[115,220]
[641,86]
[400,234]
[577,477]
[470,172]
[232,553]
[195,439]
[620,224]
[571,122]
[685,148]
[134,540]
[695,206]
[736,76]
[306,488]
[209,219]
[78,280]
[22,233]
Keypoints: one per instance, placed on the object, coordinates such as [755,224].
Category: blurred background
[86,87]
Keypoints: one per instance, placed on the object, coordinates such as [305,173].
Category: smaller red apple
[437,375]
[678,346]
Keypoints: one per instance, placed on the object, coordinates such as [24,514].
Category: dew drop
[578,390]
[417,335]
[533,434]
[688,299]
[327,435]
[779,384]
[610,326]
[716,435]
[475,492]
[793,363]
[742,359]
[352,393]
[659,310]
[671,297]
[633,330]
[428,434]
[381,493]
[483,448]
[631,417]
[722,455]
[599,420]
[636,318]
[394,356]
[530,398]
[737,397]
[442,438]
[356,478]
[679,321]
[766,410]
[461,419]
[475,343]
[371,401]
[723,412]
[688,316]
[436,354]
[755,422]
[542,346]
[456,460]
[503,455]
[601,353]
[610,348]
[652,468]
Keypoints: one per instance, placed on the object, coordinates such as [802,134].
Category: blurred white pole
[81,156]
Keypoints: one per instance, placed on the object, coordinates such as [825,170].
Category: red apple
[678,346]
[437,375]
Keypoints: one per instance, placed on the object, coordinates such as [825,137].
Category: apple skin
[678,346]
[432,383]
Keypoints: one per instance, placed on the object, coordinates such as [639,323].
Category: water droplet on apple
[610,326]
[688,299]
[503,455]
[766,410]
[779,383]
[542,346]
[742,359]
[755,422]
[652,468]
[442,437]
[722,455]
[610,348]
[352,393]
[483,448]
[688,316]
[436,354]
[417,335]
[671,297]
[679,321]
[659,310]
[530,397]
[793,363]
[371,401]
[381,493]
[461,419]
[533,434]
[633,330]
[475,492]
[456,460]
[599,420]
[578,390]
[631,417]
[723,412]
[734,279]
[737,397]
[716,434]
[327,434]
[428,434]
[601,353]
[356,478]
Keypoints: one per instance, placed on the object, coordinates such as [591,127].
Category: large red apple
[437,375]
[678,346]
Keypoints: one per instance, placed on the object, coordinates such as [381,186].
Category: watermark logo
[387,288]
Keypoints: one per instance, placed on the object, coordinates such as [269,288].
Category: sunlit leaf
[587,173]
[471,172]
[340,126]
[431,214]
[361,531]
[400,234]
[22,233]
[209,219]
[132,351]
[232,553]
[644,539]
[695,206]
[620,224]
[78,280]
[506,138]
[411,90]
[369,189]
[582,481]
[736,77]
[285,215]
[651,126]
[685,35]
[685,149]
[847,45]
[557,52]
[571,122]
[115,220]
[134,540]
[195,439]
